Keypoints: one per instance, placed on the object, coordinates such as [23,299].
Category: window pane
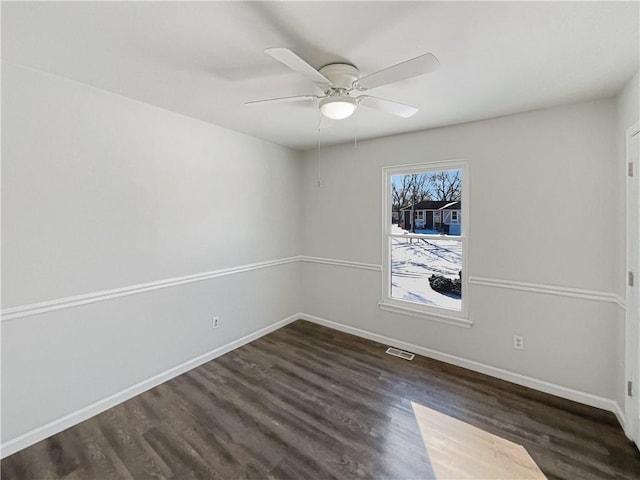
[429,202]
[427,271]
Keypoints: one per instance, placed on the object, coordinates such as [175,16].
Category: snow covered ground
[414,260]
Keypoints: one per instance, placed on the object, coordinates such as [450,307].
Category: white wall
[543,201]
[628,106]
[101,192]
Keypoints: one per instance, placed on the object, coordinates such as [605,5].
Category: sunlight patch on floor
[458,450]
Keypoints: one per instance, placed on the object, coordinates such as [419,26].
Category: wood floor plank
[96,456]
[176,450]
[310,402]
[131,447]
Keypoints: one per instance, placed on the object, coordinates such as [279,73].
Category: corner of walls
[628,102]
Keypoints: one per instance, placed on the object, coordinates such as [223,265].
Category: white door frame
[632,297]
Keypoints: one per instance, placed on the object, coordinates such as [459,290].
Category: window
[424,261]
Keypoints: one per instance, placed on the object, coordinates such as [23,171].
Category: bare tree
[400,193]
[407,190]
[445,185]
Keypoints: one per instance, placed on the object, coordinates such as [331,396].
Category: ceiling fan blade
[296,98]
[426,63]
[388,106]
[297,64]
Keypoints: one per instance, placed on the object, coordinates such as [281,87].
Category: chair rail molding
[547,289]
[13,313]
[20,311]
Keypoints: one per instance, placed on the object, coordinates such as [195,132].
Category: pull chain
[319,144]
[356,131]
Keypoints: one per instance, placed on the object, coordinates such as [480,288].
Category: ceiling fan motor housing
[341,75]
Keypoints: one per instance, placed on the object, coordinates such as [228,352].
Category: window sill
[416,312]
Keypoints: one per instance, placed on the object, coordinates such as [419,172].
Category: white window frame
[455,221]
[388,303]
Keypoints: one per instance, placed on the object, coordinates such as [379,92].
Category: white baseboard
[62,423]
[541,385]
[40,433]
[622,420]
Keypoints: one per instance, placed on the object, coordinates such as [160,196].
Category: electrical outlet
[215,322]
[518,342]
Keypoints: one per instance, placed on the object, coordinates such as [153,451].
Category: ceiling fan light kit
[337,107]
[339,80]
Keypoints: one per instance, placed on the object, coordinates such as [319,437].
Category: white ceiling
[205,59]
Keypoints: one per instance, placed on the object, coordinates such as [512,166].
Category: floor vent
[400,353]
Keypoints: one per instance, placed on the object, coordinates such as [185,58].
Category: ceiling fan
[342,84]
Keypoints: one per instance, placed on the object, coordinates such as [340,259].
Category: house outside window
[424,248]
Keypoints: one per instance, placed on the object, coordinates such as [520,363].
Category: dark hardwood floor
[308,402]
